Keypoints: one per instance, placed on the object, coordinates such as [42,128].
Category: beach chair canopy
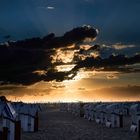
[115,108]
[7,111]
[135,109]
[28,109]
[101,107]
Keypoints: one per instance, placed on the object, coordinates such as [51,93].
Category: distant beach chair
[78,109]
[86,110]
[114,115]
[100,113]
[28,115]
[91,111]
[63,107]
[135,117]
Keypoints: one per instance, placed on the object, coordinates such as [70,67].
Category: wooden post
[121,120]
[81,110]
[36,121]
[5,133]
[139,129]
[0,135]
[17,130]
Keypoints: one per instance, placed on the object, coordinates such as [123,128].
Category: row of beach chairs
[16,118]
[112,115]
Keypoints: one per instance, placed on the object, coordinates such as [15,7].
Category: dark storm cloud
[110,63]
[20,59]
[28,61]
[77,35]
[17,65]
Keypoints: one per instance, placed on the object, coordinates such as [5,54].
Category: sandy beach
[57,125]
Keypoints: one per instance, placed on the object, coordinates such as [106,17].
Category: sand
[56,125]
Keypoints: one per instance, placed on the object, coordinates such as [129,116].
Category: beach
[57,125]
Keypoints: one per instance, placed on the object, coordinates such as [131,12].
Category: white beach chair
[86,111]
[91,109]
[9,121]
[100,111]
[114,116]
[28,115]
[135,117]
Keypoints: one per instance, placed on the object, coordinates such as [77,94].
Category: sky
[117,20]
[93,55]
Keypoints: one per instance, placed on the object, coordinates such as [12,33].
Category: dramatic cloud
[60,58]
[110,62]
[75,36]
[63,56]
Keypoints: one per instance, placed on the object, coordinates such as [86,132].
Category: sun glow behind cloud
[103,81]
[87,86]
[65,56]
[78,72]
[93,84]
[65,68]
